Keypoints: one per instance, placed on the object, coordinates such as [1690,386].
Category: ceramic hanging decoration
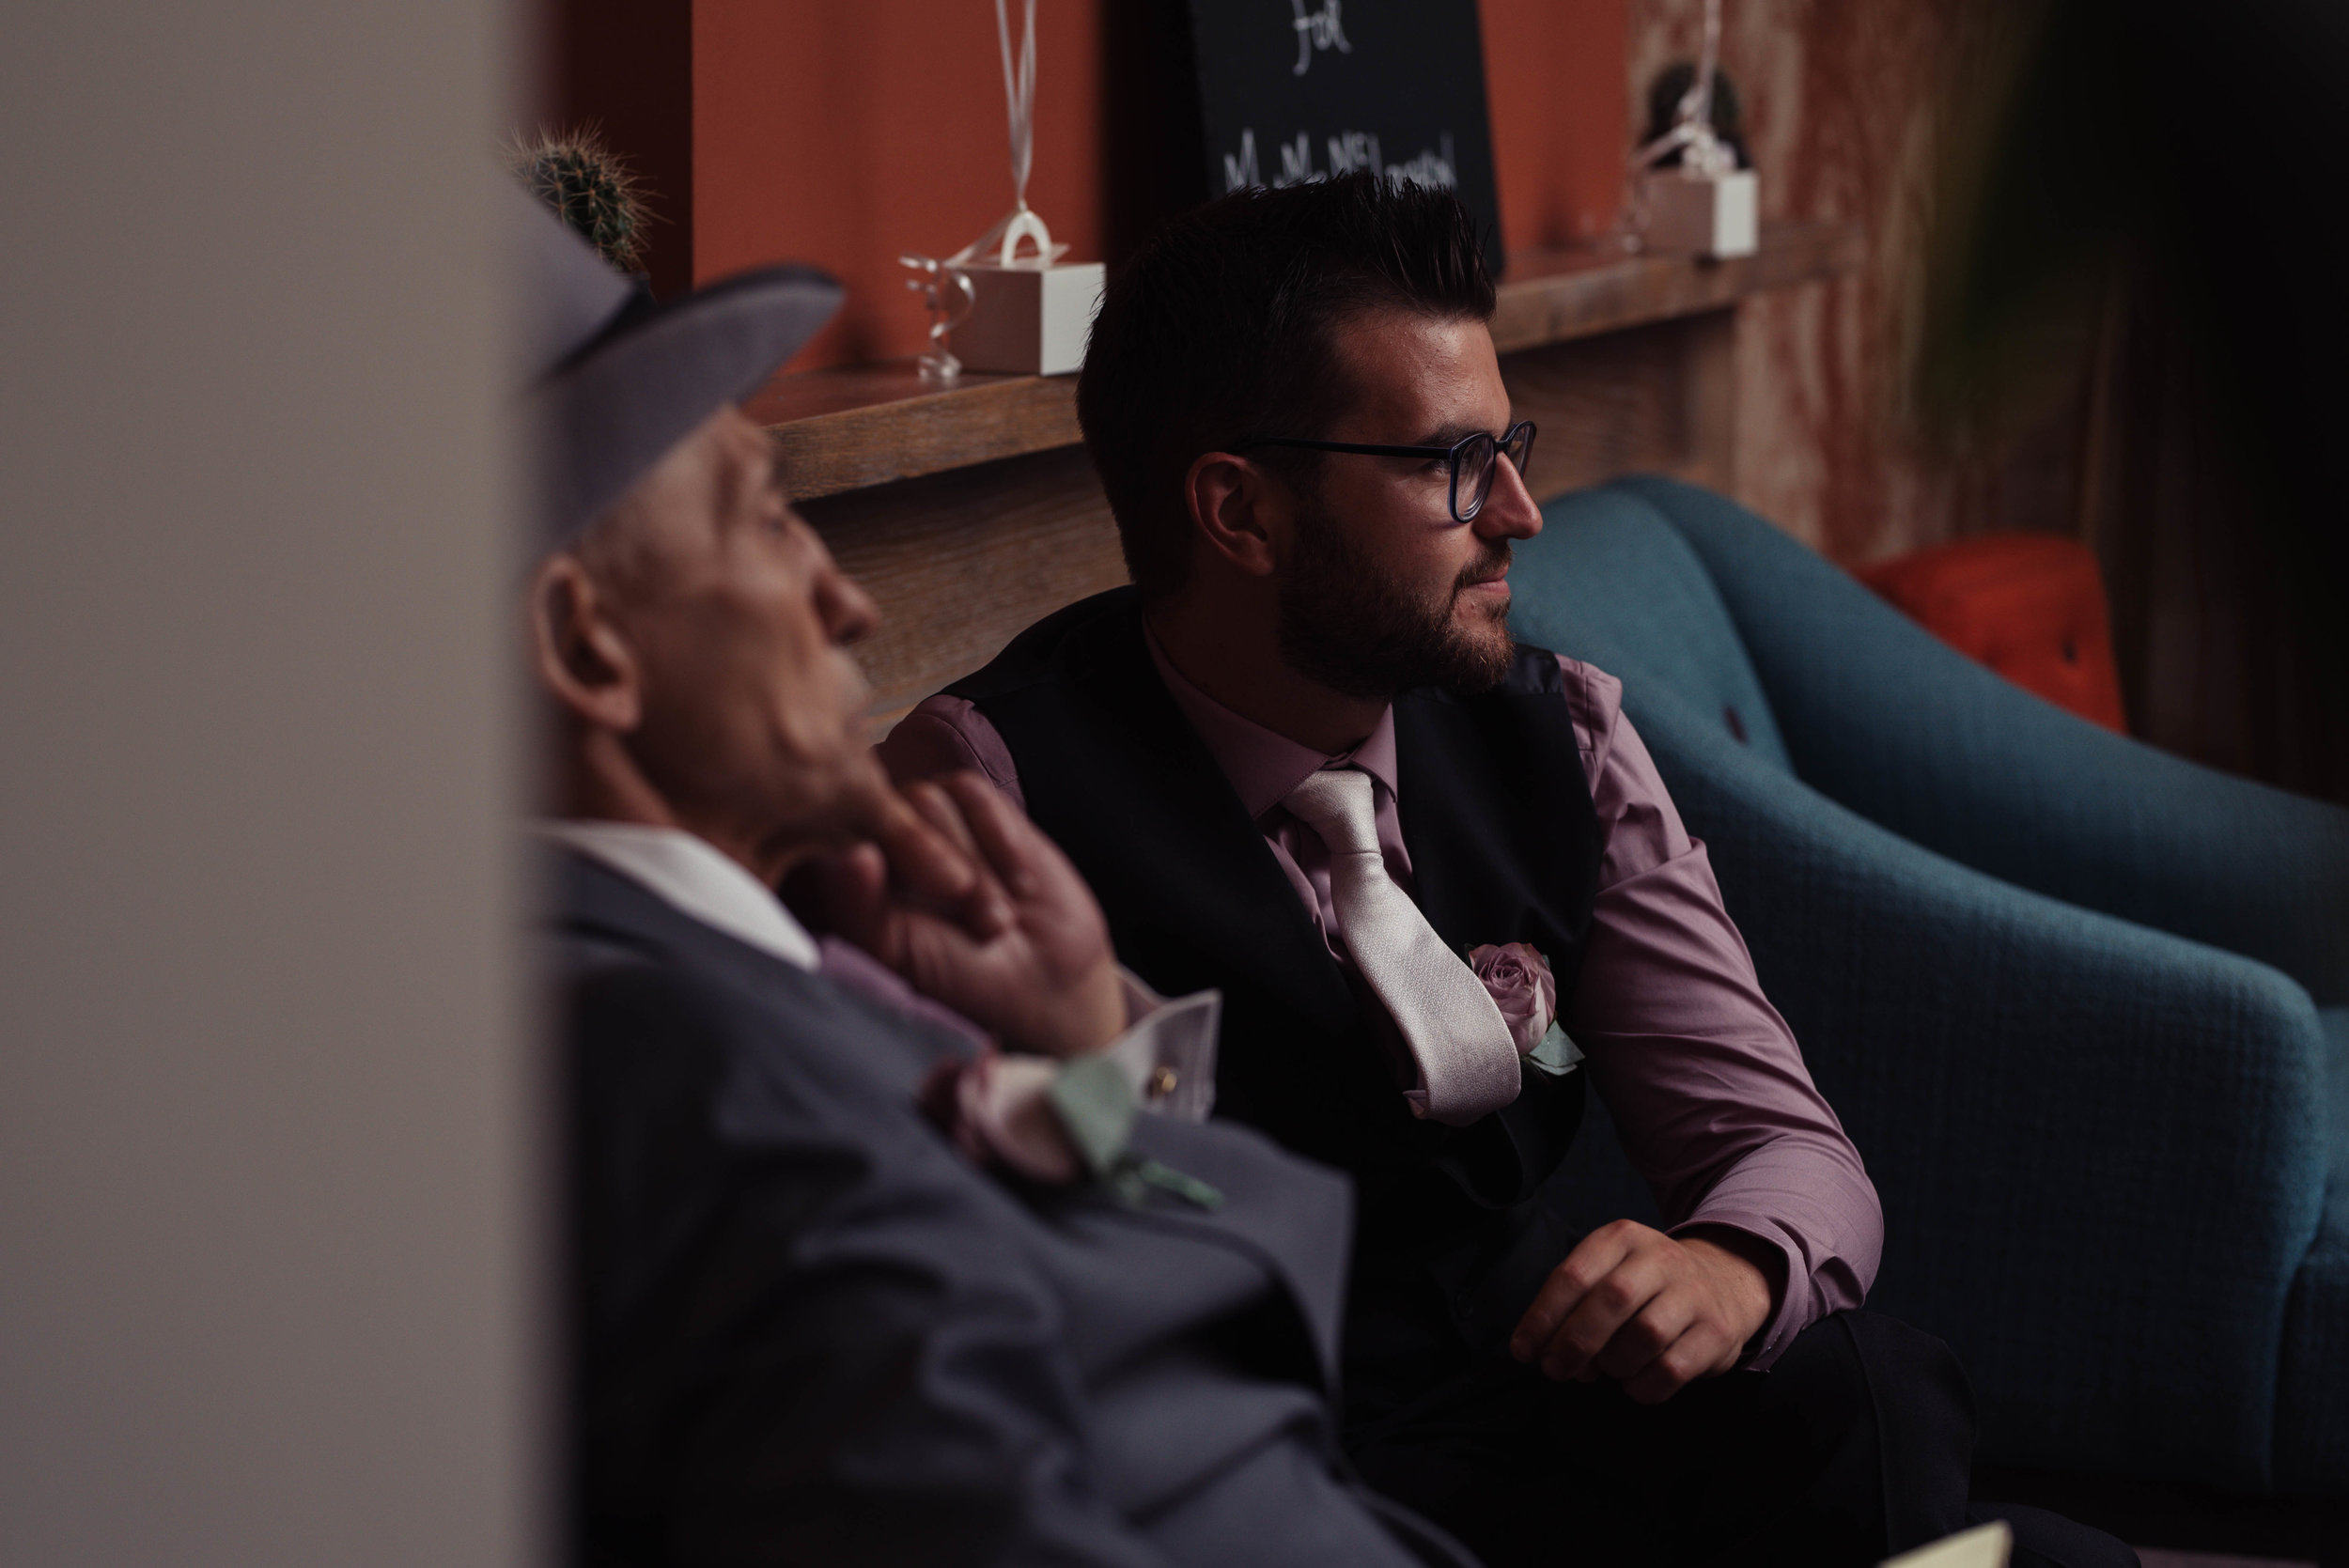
[1026,312]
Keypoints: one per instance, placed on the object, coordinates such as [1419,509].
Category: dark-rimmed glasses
[1471,458]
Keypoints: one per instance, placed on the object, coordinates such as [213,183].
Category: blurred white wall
[268,1190]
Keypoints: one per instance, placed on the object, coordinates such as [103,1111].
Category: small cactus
[590,188]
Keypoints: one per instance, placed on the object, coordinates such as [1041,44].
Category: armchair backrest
[1611,581]
[1882,716]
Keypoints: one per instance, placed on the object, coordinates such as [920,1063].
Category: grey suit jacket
[806,1331]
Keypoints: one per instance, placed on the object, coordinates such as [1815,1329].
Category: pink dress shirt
[1702,1077]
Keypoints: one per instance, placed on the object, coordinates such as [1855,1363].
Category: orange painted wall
[843,135]
[1555,88]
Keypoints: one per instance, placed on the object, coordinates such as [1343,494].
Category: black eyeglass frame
[1452,454]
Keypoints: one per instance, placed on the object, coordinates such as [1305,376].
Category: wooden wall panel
[1654,399]
[961,561]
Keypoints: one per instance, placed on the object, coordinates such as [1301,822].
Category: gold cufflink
[1163,1083]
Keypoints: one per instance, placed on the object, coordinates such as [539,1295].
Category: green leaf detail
[1096,1106]
[1188,1188]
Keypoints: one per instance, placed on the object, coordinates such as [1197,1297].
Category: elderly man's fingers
[988,910]
[1007,842]
[932,858]
[849,892]
[923,858]
[939,809]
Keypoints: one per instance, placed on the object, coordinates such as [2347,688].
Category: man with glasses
[1303,760]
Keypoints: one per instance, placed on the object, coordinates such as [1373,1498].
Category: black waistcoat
[1495,814]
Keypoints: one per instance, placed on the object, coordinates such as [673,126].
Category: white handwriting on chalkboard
[1348,151]
[1240,173]
[1321,29]
[1429,168]
[1354,149]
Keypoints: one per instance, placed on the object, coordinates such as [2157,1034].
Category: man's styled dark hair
[1225,326]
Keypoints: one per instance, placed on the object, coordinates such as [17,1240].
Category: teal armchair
[2083,1007]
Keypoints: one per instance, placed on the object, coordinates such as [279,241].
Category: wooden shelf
[1558,296]
[846,429]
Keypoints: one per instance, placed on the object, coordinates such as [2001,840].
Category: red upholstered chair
[2030,606]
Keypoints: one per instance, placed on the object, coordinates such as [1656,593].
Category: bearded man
[1301,760]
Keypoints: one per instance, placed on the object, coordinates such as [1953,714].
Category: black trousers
[1855,1445]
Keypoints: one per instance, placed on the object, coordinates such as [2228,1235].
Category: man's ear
[583,662]
[1236,505]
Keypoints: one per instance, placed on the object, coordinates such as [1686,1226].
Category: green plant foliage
[590,188]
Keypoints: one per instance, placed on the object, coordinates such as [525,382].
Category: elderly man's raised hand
[933,870]
[1027,958]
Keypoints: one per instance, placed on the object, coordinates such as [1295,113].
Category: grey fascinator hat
[614,380]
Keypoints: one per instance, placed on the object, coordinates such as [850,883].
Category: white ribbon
[944,287]
[1020,104]
[1705,156]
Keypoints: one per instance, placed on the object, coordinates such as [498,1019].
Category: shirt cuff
[1168,1051]
[1005,1107]
[1786,1318]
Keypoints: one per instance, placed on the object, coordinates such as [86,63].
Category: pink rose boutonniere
[1518,978]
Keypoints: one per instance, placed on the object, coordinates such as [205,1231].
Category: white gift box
[1027,319]
[1712,215]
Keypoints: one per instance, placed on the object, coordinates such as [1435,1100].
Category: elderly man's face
[752,718]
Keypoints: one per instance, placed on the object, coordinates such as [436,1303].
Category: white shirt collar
[695,876]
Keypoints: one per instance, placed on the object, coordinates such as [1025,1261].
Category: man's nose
[846,611]
[1509,511]
[849,610]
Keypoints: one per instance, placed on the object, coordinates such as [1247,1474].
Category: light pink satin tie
[1467,1062]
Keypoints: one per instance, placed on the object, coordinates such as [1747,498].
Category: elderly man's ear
[585,662]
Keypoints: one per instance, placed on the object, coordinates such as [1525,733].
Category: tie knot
[1336,803]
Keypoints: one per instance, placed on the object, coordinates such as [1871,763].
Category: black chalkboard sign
[1292,91]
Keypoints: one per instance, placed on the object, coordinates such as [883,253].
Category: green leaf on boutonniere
[1136,1177]
[1096,1106]
[1557,1054]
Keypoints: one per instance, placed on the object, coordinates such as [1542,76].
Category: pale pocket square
[1985,1546]
[1557,1055]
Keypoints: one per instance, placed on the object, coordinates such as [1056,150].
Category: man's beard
[1360,634]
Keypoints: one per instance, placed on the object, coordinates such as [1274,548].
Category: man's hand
[1654,1311]
[1042,979]
[936,871]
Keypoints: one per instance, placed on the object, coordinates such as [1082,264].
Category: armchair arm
[2100,1148]
[1878,714]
